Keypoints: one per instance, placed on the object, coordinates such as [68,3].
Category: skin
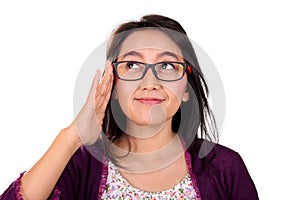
[149,124]
[154,115]
[153,119]
[40,180]
[132,93]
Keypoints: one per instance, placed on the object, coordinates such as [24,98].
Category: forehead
[151,39]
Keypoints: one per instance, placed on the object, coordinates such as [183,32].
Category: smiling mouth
[150,100]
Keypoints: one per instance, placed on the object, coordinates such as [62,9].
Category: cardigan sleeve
[13,192]
[79,180]
[65,186]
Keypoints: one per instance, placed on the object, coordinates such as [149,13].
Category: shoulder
[225,157]
[217,154]
[216,159]
[222,170]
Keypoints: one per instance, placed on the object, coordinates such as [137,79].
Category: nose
[150,82]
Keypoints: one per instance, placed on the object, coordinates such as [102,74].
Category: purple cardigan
[224,176]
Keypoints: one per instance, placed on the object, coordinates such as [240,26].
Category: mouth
[150,100]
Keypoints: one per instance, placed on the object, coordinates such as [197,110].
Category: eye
[167,66]
[132,65]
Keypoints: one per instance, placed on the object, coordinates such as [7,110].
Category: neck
[149,138]
[148,153]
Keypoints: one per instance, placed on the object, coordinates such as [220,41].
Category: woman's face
[150,101]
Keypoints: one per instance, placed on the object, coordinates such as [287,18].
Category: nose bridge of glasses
[150,80]
[150,71]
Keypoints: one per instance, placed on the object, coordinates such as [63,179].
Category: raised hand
[88,122]
[37,183]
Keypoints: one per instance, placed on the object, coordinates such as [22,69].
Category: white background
[254,45]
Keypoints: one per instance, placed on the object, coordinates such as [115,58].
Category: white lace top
[117,187]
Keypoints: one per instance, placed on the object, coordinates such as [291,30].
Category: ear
[186,96]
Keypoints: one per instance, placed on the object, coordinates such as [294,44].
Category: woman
[136,136]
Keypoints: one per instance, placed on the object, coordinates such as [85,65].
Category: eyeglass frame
[147,66]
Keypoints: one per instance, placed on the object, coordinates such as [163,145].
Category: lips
[150,100]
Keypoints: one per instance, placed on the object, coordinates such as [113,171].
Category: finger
[103,86]
[100,111]
[108,68]
[103,96]
[104,92]
[94,85]
[101,102]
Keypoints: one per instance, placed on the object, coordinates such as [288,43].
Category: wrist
[72,136]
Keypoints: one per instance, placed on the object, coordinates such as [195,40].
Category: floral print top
[117,187]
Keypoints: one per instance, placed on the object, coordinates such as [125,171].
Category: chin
[140,121]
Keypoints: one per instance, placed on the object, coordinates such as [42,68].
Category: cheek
[124,94]
[176,90]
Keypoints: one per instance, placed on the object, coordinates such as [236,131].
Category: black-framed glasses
[165,71]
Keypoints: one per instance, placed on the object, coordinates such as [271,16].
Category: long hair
[194,115]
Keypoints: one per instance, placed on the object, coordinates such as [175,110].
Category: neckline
[188,158]
[117,173]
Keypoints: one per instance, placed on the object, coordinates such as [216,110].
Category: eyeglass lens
[164,71]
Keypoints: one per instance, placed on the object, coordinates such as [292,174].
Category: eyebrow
[165,53]
[133,53]
[168,53]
